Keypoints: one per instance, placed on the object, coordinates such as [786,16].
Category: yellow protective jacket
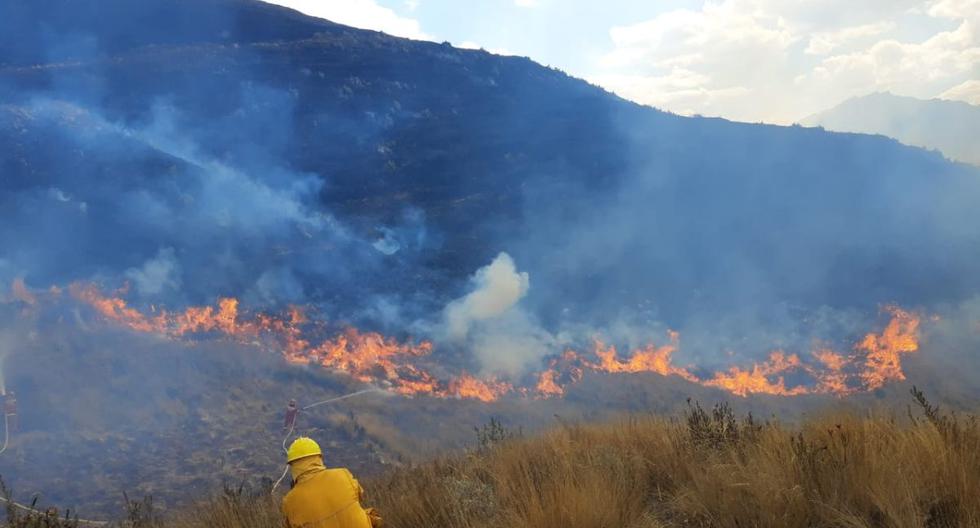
[325,498]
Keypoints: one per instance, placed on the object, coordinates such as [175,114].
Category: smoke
[157,274]
[497,288]
[231,173]
[245,225]
[510,345]
[488,320]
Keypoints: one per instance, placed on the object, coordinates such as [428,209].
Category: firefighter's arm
[374,517]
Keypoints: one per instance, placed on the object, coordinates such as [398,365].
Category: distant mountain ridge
[952,127]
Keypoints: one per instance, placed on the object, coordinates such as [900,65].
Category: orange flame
[467,386]
[884,362]
[116,309]
[758,380]
[547,386]
[878,361]
[373,358]
[22,293]
[648,359]
[368,357]
[832,378]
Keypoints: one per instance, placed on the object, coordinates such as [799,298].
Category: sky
[774,61]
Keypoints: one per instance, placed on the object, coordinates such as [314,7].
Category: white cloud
[968,91]
[365,14]
[780,60]
[923,69]
[824,42]
[956,9]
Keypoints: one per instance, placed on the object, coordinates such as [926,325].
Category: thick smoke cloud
[375,193]
[246,225]
[496,289]
[499,209]
[488,320]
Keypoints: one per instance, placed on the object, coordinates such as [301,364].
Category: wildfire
[115,309]
[22,293]
[762,378]
[467,386]
[832,377]
[547,386]
[884,362]
[373,358]
[877,361]
[648,359]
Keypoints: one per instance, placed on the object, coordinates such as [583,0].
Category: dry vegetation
[709,468]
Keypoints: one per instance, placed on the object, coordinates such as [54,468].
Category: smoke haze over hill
[254,178]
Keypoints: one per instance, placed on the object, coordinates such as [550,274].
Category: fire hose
[292,425]
[6,432]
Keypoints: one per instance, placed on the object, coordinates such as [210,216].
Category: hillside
[710,469]
[145,415]
[951,127]
[707,468]
[207,208]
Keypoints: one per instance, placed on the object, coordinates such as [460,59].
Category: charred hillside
[209,207]
[497,154]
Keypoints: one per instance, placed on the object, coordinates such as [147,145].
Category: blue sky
[750,60]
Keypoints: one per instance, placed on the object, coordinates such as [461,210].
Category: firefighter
[290,420]
[321,497]
[10,411]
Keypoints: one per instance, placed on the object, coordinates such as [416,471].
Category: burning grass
[401,367]
[710,468]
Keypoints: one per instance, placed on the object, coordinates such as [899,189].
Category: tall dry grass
[706,469]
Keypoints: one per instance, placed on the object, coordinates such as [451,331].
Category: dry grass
[708,469]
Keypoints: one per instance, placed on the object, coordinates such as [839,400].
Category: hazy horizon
[688,56]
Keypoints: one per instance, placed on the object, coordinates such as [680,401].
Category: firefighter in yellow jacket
[321,497]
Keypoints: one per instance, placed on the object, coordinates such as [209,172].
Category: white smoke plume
[489,321]
[156,274]
[498,287]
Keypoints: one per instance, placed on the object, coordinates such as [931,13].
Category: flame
[22,293]
[115,309]
[832,377]
[759,379]
[648,359]
[884,362]
[467,386]
[568,368]
[547,386]
[399,366]
[877,361]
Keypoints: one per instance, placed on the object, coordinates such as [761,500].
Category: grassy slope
[708,469]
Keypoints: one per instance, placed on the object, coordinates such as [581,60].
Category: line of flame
[370,357]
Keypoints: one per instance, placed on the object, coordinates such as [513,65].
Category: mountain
[59,31]
[208,207]
[952,127]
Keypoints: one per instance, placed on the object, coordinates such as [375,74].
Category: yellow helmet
[302,447]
